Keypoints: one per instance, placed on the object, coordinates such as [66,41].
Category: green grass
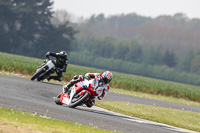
[26,65]
[28,121]
[178,118]
[156,97]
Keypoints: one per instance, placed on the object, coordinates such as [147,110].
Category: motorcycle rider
[61,63]
[101,82]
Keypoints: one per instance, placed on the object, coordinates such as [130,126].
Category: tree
[135,52]
[96,19]
[27,28]
[169,58]
[195,64]
[153,56]
[57,39]
[60,17]
[120,50]
[23,22]
[184,63]
[8,25]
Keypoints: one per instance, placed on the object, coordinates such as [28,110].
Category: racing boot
[49,78]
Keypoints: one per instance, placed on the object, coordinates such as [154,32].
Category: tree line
[166,40]
[166,47]
[177,33]
[26,28]
[130,51]
[109,53]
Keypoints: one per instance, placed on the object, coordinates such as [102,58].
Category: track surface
[32,96]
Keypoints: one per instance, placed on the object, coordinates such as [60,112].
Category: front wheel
[57,100]
[37,74]
[80,100]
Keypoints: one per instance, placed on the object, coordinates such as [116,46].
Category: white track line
[138,120]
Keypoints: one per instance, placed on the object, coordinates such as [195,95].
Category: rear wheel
[79,100]
[37,74]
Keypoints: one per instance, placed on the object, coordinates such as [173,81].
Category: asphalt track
[37,97]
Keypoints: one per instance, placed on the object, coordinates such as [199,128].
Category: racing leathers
[99,85]
[61,63]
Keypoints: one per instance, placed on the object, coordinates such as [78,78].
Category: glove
[99,97]
[48,53]
[81,78]
[100,83]
[75,77]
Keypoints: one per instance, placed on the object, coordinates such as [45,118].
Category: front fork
[72,93]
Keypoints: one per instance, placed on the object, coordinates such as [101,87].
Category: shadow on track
[84,108]
[50,83]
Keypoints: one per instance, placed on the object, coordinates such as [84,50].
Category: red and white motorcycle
[80,93]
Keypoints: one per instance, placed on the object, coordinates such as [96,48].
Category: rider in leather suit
[101,81]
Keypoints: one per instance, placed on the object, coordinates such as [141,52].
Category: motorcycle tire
[37,74]
[80,100]
[57,100]
[40,78]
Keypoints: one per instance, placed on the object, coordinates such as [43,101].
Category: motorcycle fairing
[50,64]
[89,85]
[64,98]
[78,89]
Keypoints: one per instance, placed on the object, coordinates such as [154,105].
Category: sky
[148,8]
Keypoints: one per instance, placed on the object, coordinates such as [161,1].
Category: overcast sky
[152,8]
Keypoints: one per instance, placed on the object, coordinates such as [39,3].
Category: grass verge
[156,97]
[19,121]
[178,118]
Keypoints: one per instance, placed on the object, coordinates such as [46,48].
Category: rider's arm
[105,91]
[92,75]
[50,54]
[77,78]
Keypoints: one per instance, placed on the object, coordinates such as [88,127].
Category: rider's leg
[59,77]
[66,87]
[70,84]
[76,79]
